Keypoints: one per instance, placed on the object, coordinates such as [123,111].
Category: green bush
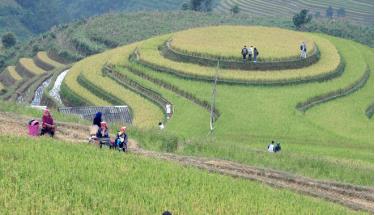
[8,40]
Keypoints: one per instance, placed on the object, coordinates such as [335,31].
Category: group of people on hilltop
[251,53]
[100,132]
[303,49]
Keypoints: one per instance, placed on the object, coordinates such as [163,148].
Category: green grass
[262,114]
[42,176]
[331,141]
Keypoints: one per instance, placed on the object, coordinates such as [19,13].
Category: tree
[201,5]
[235,9]
[302,18]
[341,12]
[185,6]
[8,40]
[329,12]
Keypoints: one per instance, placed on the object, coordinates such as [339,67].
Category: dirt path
[352,196]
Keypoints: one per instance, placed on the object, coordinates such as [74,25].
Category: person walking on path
[168,110]
[303,49]
[244,53]
[250,52]
[256,53]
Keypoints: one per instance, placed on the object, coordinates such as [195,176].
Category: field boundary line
[370,110]
[125,81]
[326,97]
[269,83]
[173,88]
[171,53]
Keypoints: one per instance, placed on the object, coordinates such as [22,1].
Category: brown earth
[352,196]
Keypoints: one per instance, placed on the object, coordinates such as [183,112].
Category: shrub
[302,18]
[235,9]
[8,40]
[169,143]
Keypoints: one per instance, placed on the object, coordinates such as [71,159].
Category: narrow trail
[352,196]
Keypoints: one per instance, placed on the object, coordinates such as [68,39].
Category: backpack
[244,51]
[256,52]
[277,147]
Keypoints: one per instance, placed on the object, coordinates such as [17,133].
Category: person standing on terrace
[244,53]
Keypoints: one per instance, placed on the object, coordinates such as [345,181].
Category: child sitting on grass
[122,140]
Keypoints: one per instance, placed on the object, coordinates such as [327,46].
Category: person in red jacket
[48,126]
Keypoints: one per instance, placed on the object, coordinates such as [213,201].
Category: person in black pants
[244,53]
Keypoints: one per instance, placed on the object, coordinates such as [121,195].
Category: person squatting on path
[48,126]
[122,140]
[244,53]
[274,148]
[103,134]
[303,49]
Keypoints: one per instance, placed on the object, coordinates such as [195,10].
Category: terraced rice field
[43,56]
[13,73]
[331,141]
[23,80]
[330,61]
[227,41]
[30,65]
[358,11]
[145,113]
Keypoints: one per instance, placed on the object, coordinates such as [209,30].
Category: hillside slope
[86,37]
[27,18]
[358,11]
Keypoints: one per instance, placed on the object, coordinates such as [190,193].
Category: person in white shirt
[271,147]
[161,126]
[303,49]
[250,52]
[168,110]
